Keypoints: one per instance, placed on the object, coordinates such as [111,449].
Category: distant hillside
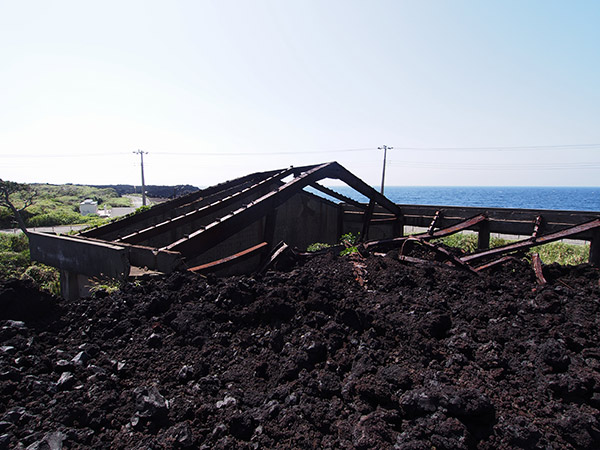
[151,190]
[59,204]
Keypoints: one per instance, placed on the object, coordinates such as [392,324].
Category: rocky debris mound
[22,300]
[398,356]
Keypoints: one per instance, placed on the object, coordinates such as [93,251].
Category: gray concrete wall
[306,219]
[301,221]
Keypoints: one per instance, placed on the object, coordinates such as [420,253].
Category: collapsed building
[242,225]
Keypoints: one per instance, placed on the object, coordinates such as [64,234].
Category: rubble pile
[315,356]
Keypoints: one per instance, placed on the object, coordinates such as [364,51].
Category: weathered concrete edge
[95,259]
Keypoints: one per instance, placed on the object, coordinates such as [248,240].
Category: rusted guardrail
[518,222]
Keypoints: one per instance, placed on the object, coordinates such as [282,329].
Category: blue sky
[467,92]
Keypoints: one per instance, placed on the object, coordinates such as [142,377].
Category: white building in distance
[88,206]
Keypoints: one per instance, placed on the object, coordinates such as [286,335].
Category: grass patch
[317,246]
[16,263]
[349,240]
[563,253]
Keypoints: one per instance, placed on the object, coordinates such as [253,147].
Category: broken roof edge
[333,170]
[226,226]
[176,202]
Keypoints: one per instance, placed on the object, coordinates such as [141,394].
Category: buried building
[242,225]
[228,228]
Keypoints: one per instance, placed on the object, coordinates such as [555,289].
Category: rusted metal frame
[127,227]
[367,221]
[168,225]
[495,263]
[442,232]
[537,268]
[297,171]
[398,226]
[595,248]
[338,196]
[536,227]
[434,222]
[274,255]
[176,221]
[502,220]
[360,186]
[460,226]
[531,242]
[207,199]
[413,260]
[167,206]
[391,220]
[453,259]
[483,235]
[236,184]
[227,226]
[269,231]
[224,262]
[357,216]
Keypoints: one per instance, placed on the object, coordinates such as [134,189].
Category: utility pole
[385,148]
[141,153]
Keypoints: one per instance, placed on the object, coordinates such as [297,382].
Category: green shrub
[59,205]
[46,278]
[59,217]
[349,240]
[16,263]
[13,264]
[14,255]
[14,242]
[349,251]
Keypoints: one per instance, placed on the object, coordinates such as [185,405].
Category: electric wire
[395,149]
[496,166]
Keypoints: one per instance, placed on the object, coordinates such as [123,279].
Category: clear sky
[467,92]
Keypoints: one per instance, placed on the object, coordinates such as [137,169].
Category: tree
[16,197]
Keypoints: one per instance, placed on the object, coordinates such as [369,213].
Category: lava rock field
[332,353]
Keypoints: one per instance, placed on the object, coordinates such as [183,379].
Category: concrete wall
[306,219]
[301,221]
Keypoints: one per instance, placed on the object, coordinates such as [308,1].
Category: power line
[570,147]
[251,153]
[499,167]
[62,155]
[513,148]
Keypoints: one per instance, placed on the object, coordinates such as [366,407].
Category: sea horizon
[566,198]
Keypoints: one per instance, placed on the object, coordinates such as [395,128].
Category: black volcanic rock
[412,357]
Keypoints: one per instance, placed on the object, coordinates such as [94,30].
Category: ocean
[558,198]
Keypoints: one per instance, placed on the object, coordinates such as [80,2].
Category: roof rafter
[168,225]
